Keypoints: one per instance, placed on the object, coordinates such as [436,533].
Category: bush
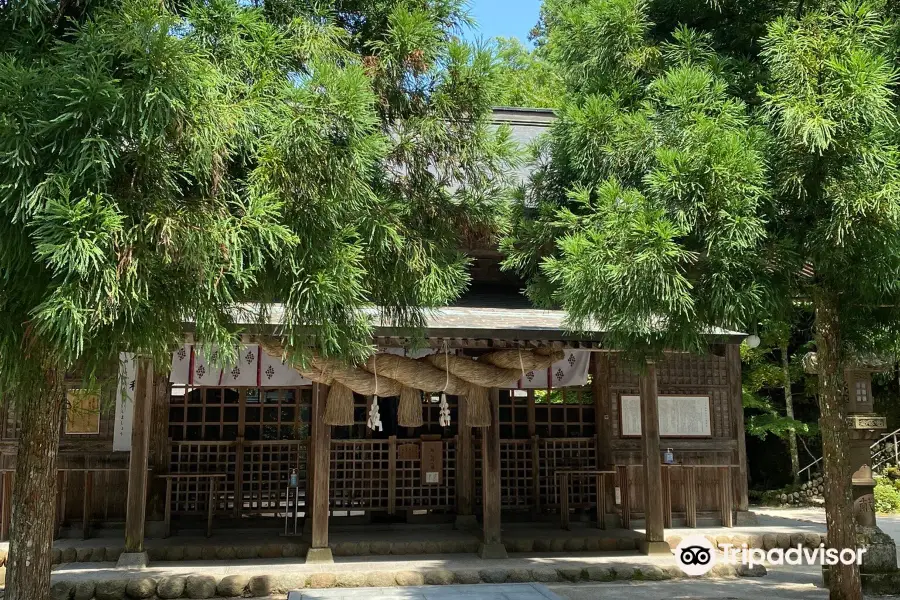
[887,496]
[893,473]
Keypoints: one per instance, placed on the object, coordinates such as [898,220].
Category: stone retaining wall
[207,586]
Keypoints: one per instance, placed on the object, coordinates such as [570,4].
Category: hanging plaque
[432,462]
[82,412]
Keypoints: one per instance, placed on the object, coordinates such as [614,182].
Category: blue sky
[507,18]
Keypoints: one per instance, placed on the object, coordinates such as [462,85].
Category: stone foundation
[206,586]
[514,544]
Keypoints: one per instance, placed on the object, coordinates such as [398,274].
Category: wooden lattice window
[514,414]
[277,414]
[358,430]
[266,474]
[190,496]
[564,413]
[359,475]
[516,474]
[204,414]
[554,455]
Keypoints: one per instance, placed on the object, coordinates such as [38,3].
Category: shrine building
[498,417]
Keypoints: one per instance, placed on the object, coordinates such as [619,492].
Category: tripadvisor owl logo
[695,555]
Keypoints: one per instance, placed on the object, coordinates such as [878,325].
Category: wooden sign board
[82,412]
[679,416]
[432,462]
[408,452]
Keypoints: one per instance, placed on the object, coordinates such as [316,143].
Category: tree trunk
[789,411]
[844,579]
[34,491]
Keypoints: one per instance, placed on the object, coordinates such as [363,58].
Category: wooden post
[136,505]
[624,496]
[530,410]
[62,488]
[536,475]
[211,506]
[465,489]
[168,511]
[601,501]
[491,546]
[159,445]
[653,503]
[733,372]
[564,500]
[87,503]
[321,446]
[600,392]
[239,450]
[727,494]
[6,518]
[667,495]
[392,474]
[689,483]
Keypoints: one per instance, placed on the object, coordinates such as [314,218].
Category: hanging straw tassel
[339,405]
[409,414]
[479,406]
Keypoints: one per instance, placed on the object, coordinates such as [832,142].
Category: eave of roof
[474,322]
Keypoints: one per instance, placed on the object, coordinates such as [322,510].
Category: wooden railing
[700,488]
[528,467]
[7,477]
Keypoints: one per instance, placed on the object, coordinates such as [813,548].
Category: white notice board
[679,416]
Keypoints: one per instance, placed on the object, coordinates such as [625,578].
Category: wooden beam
[651,459]
[321,444]
[136,504]
[733,373]
[601,394]
[491,546]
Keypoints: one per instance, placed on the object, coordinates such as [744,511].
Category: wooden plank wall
[680,374]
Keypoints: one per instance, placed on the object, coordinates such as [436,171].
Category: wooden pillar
[600,392]
[136,504]
[465,488]
[733,372]
[319,551]
[653,502]
[491,546]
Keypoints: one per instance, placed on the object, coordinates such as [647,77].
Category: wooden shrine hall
[568,429]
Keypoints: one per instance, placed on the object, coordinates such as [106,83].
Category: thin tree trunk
[845,581]
[34,491]
[789,411]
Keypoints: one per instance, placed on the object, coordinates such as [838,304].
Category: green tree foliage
[832,109]
[525,76]
[645,215]
[162,162]
[673,195]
